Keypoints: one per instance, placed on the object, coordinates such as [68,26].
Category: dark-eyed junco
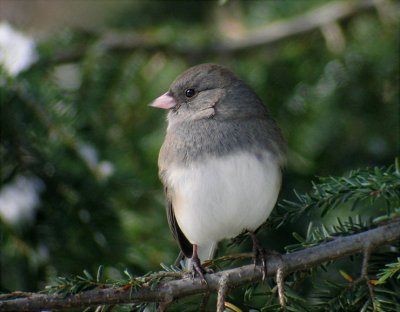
[221,159]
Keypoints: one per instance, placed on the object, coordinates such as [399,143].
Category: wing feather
[183,242]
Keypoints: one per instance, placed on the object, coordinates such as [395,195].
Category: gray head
[209,90]
[213,112]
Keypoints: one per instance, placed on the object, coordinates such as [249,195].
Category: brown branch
[280,283]
[222,292]
[271,33]
[237,277]
[364,274]
[314,19]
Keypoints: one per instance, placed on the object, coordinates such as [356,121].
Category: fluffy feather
[221,158]
[219,198]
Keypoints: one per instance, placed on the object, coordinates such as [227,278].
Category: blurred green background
[79,144]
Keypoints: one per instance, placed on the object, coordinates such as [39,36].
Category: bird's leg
[259,254]
[196,267]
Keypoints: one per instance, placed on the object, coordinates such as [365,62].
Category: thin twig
[204,301]
[311,20]
[364,274]
[222,292]
[273,32]
[280,281]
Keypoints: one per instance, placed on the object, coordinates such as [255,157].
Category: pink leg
[197,269]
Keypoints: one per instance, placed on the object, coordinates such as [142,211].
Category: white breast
[222,197]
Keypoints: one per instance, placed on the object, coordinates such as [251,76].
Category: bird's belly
[221,197]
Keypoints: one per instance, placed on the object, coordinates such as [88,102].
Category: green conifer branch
[391,270]
[357,187]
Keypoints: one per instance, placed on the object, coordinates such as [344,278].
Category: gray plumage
[223,118]
[235,118]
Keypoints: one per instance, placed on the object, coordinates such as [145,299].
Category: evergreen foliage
[79,140]
[333,288]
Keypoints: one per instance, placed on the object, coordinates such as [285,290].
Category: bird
[221,160]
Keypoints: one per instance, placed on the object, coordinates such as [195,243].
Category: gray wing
[180,238]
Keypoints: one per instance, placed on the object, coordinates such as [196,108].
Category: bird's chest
[223,196]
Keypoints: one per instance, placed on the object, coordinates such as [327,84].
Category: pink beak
[165,101]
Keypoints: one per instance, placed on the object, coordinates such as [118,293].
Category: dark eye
[190,92]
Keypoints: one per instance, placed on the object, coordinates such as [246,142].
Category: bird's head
[208,91]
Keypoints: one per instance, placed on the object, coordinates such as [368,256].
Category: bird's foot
[260,255]
[197,269]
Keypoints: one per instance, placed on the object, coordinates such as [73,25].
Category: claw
[259,255]
[196,267]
